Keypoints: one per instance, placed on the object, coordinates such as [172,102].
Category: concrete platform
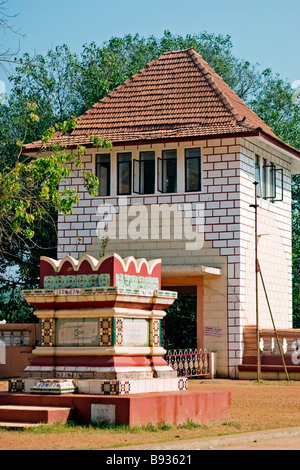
[14,413]
[174,408]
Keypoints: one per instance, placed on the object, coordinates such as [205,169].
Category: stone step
[34,414]
[3,424]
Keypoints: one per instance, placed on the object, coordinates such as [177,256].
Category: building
[178,184]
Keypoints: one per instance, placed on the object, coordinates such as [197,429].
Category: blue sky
[265,31]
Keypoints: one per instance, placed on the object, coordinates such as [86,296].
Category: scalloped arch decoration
[111,264]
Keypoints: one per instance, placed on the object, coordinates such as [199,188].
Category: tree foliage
[180,323]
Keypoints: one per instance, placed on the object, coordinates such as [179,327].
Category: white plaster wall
[227,192]
[274,246]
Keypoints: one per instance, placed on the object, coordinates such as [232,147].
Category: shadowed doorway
[179,327]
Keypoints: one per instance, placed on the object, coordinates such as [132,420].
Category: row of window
[138,176]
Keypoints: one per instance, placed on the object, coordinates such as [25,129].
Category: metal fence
[189,362]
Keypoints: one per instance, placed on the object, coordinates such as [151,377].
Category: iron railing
[189,362]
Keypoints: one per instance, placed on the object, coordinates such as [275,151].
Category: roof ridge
[175,51]
[208,73]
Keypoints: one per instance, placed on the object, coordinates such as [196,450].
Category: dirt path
[255,407]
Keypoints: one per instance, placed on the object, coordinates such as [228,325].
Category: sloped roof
[174,97]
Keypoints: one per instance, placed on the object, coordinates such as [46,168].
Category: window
[167,172]
[264,182]
[144,173]
[103,174]
[193,169]
[272,183]
[124,173]
[269,179]
[258,175]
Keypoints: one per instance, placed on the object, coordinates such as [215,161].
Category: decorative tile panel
[134,282]
[124,387]
[49,282]
[59,282]
[16,385]
[167,294]
[137,282]
[155,332]
[47,332]
[79,281]
[104,279]
[92,280]
[99,290]
[118,331]
[183,383]
[105,332]
[114,387]
[82,280]
[70,281]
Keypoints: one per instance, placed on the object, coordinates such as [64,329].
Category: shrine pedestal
[100,327]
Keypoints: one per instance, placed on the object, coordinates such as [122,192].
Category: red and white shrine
[99,356]
[100,323]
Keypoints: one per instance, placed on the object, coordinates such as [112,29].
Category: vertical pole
[256,285]
[200,327]
[256,291]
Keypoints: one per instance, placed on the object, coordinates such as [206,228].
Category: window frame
[186,158]
[119,154]
[257,174]
[161,185]
[267,181]
[98,174]
[138,172]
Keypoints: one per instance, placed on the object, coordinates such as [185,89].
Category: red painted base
[99,361]
[173,408]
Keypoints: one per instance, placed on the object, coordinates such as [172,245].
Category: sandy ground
[269,405]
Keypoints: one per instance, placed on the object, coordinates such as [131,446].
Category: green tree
[180,324]
[29,200]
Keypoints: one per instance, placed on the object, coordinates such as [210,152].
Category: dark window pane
[103,174]
[169,169]
[147,172]
[264,182]
[136,176]
[193,169]
[272,181]
[124,173]
[258,176]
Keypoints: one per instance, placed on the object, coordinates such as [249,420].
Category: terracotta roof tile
[176,96]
